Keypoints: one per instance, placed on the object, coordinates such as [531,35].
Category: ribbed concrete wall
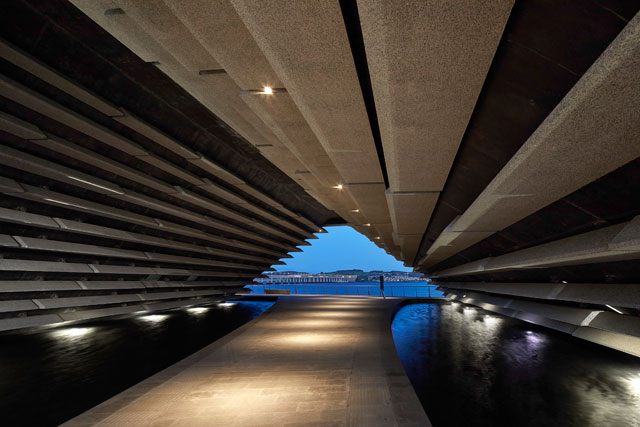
[102,214]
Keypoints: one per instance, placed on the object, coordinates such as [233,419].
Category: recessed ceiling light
[116,11]
[214,71]
[267,90]
[339,186]
[355,210]
[367,225]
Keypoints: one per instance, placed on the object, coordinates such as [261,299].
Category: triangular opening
[344,262]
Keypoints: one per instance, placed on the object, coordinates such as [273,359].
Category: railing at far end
[407,291]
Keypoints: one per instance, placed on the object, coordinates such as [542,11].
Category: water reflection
[472,368]
[50,375]
[71,333]
[197,310]
[226,305]
[153,318]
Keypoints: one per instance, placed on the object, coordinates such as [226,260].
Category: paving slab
[321,360]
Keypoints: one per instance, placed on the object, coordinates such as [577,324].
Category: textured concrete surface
[428,61]
[306,43]
[592,132]
[309,361]
[183,42]
[615,243]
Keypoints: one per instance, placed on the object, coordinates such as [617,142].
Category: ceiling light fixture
[214,71]
[116,11]
[339,186]
[355,210]
[367,225]
[267,90]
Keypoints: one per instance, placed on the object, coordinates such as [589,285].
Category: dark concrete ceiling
[65,39]
[547,46]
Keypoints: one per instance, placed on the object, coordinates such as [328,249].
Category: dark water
[474,368]
[48,376]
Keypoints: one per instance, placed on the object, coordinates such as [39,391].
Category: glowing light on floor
[340,306]
[317,324]
[154,318]
[334,314]
[326,340]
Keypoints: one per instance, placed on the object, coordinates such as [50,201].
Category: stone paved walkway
[310,361]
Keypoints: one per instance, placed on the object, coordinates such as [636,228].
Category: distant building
[281,277]
[395,276]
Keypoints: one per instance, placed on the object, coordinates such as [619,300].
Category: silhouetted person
[382,286]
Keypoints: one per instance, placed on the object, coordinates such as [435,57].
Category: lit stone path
[310,361]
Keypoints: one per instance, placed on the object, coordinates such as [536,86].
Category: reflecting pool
[471,367]
[48,376]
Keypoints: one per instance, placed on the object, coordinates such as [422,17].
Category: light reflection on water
[153,318]
[226,305]
[52,374]
[472,368]
[71,333]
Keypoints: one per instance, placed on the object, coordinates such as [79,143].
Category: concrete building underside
[163,153]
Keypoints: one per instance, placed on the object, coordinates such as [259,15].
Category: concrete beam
[427,63]
[614,243]
[318,71]
[592,132]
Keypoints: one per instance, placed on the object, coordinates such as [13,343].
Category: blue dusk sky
[342,248]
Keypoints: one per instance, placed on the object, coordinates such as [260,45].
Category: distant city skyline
[341,248]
